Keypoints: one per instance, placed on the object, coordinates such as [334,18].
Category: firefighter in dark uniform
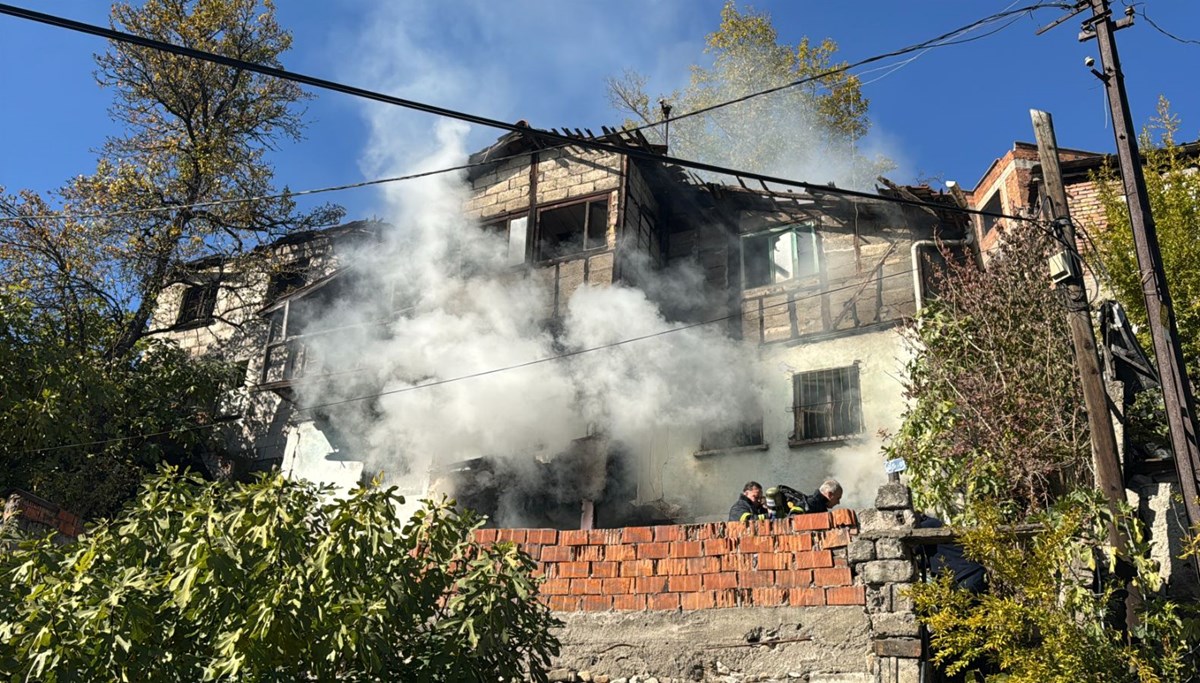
[827,495]
[749,505]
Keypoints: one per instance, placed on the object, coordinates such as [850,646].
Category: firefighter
[827,495]
[749,505]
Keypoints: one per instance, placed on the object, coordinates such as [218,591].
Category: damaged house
[809,287]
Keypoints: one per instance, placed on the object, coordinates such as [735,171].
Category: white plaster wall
[706,486]
[308,455]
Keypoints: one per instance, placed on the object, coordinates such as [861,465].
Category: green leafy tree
[80,291]
[273,581]
[996,413]
[790,130]
[1173,187]
[1052,598]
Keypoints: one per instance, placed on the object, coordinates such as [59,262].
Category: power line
[927,44]
[557,139]
[474,375]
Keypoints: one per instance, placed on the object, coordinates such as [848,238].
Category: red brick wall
[795,561]
[38,516]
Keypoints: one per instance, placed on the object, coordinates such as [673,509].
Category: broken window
[515,232]
[287,280]
[198,304]
[827,405]
[571,229]
[744,435]
[992,205]
[779,255]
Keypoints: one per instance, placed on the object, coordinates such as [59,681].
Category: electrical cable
[931,43]
[1165,32]
[483,373]
[558,139]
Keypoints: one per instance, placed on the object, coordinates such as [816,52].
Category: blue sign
[894,466]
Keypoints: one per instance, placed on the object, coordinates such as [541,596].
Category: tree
[163,196]
[788,131]
[996,412]
[1173,187]
[273,580]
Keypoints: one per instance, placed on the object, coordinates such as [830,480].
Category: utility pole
[1177,394]
[1104,443]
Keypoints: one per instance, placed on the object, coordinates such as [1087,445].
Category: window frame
[197,313]
[849,409]
[587,201]
[799,231]
[760,444]
[505,222]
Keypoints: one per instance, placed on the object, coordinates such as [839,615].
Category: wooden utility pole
[1104,443]
[1177,394]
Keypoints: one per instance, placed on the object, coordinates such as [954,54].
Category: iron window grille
[827,405]
[198,304]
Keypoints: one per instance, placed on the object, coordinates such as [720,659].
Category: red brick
[796,540]
[629,602]
[543,536]
[687,549]
[840,561]
[650,584]
[720,580]
[637,568]
[813,521]
[637,534]
[573,537]
[485,535]
[717,546]
[513,535]
[846,595]
[836,576]
[605,570]
[806,596]
[587,587]
[672,566]
[604,536]
[737,563]
[768,597]
[618,586]
[558,553]
[845,517]
[663,601]
[533,550]
[727,598]
[701,600]
[666,534]
[589,553]
[757,579]
[814,559]
[794,578]
[573,570]
[706,532]
[757,544]
[556,587]
[596,603]
[775,561]
[653,551]
[683,584]
[734,529]
[563,603]
[703,565]
[837,538]
[760,527]
[619,553]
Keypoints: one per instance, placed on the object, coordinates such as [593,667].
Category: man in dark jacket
[827,495]
[749,505]
[949,558]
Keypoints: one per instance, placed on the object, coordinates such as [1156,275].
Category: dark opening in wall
[779,255]
[198,304]
[573,228]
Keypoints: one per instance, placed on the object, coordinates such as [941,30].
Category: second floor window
[779,255]
[744,435]
[571,229]
[198,304]
[827,405]
[514,231]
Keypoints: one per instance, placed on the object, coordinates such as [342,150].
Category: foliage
[272,581]
[1041,619]
[194,132]
[54,395]
[1173,188]
[806,123]
[996,412]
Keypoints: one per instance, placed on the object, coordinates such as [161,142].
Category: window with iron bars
[827,405]
[197,305]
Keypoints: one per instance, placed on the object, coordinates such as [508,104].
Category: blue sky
[946,114]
